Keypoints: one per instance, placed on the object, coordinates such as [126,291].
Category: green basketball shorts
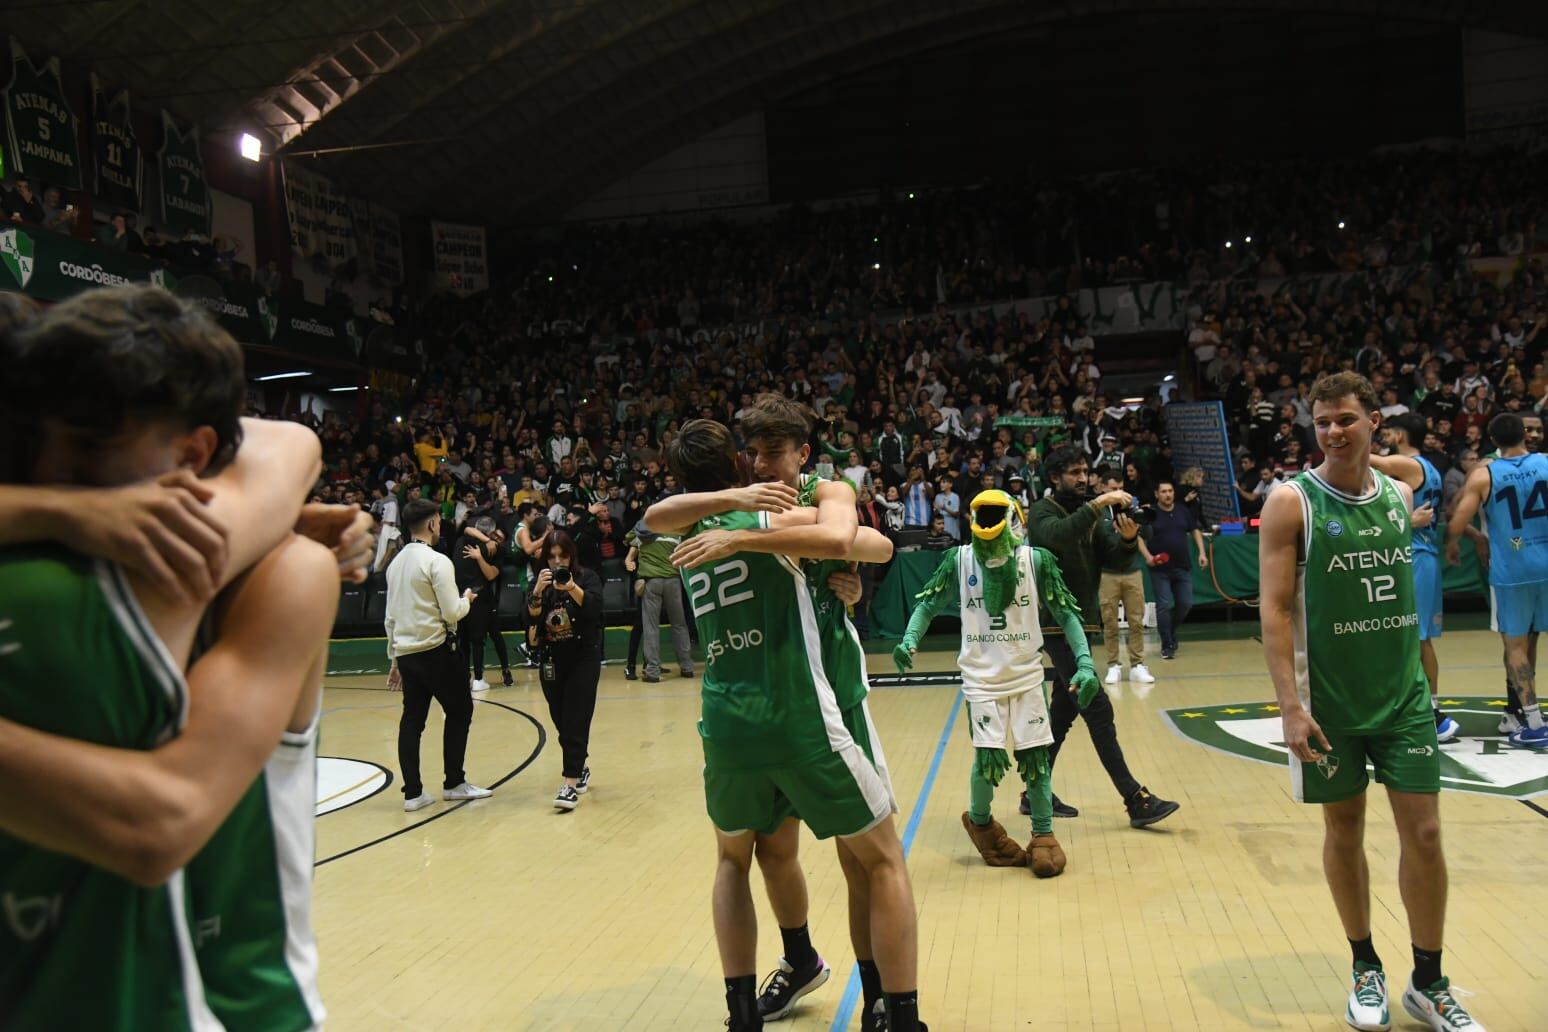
[1405,759]
[843,792]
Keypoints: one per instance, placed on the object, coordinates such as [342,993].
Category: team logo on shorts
[1515,543]
[1478,761]
[973,579]
[1335,528]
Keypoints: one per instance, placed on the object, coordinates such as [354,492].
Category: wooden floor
[504,914]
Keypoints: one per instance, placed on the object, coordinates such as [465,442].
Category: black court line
[542,741]
[386,783]
[1533,806]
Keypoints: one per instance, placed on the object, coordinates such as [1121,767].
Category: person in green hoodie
[1068,522]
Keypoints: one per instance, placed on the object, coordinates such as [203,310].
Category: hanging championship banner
[321,219]
[185,199]
[40,127]
[118,166]
[461,259]
[380,239]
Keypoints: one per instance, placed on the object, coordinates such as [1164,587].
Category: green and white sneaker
[1437,1008]
[1367,1008]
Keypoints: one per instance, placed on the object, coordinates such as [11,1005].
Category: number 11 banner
[40,127]
[185,200]
[118,161]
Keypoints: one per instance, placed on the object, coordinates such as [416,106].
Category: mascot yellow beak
[1001,505]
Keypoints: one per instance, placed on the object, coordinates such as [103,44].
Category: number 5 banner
[40,127]
[185,200]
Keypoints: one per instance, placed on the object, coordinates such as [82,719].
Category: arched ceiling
[515,110]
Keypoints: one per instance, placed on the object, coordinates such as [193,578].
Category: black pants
[636,634]
[572,699]
[1098,717]
[483,619]
[438,674]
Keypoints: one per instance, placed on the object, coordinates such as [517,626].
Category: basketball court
[506,914]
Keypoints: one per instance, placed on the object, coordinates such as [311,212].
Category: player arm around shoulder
[678,513]
[144,814]
[1279,552]
[1475,491]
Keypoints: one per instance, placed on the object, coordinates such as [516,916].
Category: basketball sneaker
[1534,738]
[875,1018]
[1446,729]
[479,685]
[584,784]
[785,985]
[419,802]
[1437,1008]
[1139,674]
[1509,723]
[506,678]
[567,799]
[1114,674]
[1367,1008]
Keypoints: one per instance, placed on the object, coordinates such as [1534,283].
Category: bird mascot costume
[996,585]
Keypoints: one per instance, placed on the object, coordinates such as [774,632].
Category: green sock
[1039,789]
[980,798]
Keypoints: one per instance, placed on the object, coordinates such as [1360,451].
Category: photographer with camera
[1123,581]
[1171,569]
[565,632]
[1069,523]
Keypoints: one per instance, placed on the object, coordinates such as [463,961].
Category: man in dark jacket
[1069,524]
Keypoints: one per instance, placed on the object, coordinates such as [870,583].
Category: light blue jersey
[1429,493]
[1516,512]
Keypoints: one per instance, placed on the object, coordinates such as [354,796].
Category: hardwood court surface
[505,914]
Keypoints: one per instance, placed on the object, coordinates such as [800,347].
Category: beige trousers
[1130,587]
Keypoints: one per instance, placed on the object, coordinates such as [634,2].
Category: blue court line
[851,997]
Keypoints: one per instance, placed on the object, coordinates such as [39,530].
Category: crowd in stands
[562,388]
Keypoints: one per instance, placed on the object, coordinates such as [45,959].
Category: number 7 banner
[185,200]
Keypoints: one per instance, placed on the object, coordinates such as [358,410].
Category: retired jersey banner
[380,239]
[185,199]
[322,223]
[118,166]
[41,138]
[51,267]
[461,258]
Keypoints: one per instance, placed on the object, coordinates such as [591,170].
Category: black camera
[561,575]
[1144,515]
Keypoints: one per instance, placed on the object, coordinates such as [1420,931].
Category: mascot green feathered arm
[1054,594]
[940,592]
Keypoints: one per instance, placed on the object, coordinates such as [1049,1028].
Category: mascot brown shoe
[996,847]
[1045,856]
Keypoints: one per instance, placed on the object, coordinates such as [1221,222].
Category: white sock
[1534,715]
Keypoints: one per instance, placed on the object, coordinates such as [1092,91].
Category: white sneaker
[1509,724]
[419,802]
[1138,673]
[480,685]
[466,790]
[1438,1008]
[1114,674]
[1367,1008]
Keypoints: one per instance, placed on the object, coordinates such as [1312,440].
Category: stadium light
[1228,243]
[1247,239]
[340,390]
[1169,377]
[1340,223]
[251,149]
[283,376]
[876,265]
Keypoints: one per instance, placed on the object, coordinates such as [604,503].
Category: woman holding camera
[565,631]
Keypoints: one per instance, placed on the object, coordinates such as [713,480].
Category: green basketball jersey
[1356,619]
[84,948]
[843,656]
[250,894]
[766,700]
